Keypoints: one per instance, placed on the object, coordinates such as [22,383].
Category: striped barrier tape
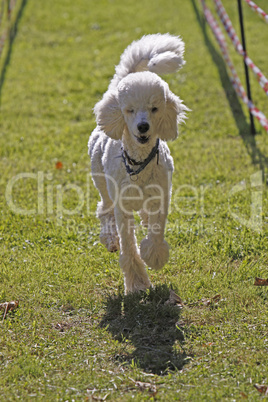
[234,38]
[258,10]
[234,77]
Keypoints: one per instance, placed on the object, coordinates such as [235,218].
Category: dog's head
[143,107]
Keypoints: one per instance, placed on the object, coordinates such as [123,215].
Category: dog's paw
[136,286]
[135,275]
[111,242]
[155,255]
[113,245]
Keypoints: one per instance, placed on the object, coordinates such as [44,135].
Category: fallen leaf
[261,282]
[59,165]
[145,385]
[263,389]
[243,395]
[8,306]
[212,300]
[174,299]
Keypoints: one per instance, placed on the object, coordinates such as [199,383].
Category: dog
[131,163]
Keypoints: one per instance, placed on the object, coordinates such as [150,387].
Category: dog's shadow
[149,323]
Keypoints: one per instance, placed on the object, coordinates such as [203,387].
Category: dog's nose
[143,127]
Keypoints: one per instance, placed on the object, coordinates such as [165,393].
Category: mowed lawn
[74,336]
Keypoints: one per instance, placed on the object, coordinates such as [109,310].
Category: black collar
[129,161]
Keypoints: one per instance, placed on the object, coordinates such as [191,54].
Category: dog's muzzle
[143,127]
[143,139]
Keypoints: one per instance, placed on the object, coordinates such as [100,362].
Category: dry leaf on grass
[212,300]
[143,386]
[261,282]
[8,306]
[59,165]
[263,389]
[174,299]
[207,302]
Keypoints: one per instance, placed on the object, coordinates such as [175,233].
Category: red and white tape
[234,77]
[257,9]
[232,34]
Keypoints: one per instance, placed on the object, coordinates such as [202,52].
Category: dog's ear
[109,116]
[173,114]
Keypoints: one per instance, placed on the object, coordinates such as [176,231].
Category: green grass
[75,336]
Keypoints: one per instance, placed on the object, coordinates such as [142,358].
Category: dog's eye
[154,109]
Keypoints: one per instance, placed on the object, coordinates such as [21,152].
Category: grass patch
[74,335]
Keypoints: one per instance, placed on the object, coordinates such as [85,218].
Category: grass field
[74,335]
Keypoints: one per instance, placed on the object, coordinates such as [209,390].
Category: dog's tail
[160,54]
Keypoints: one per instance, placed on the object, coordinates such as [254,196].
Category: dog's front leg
[135,275]
[154,249]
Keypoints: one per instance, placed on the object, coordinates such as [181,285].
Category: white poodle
[130,160]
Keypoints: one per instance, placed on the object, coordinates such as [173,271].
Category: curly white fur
[137,109]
